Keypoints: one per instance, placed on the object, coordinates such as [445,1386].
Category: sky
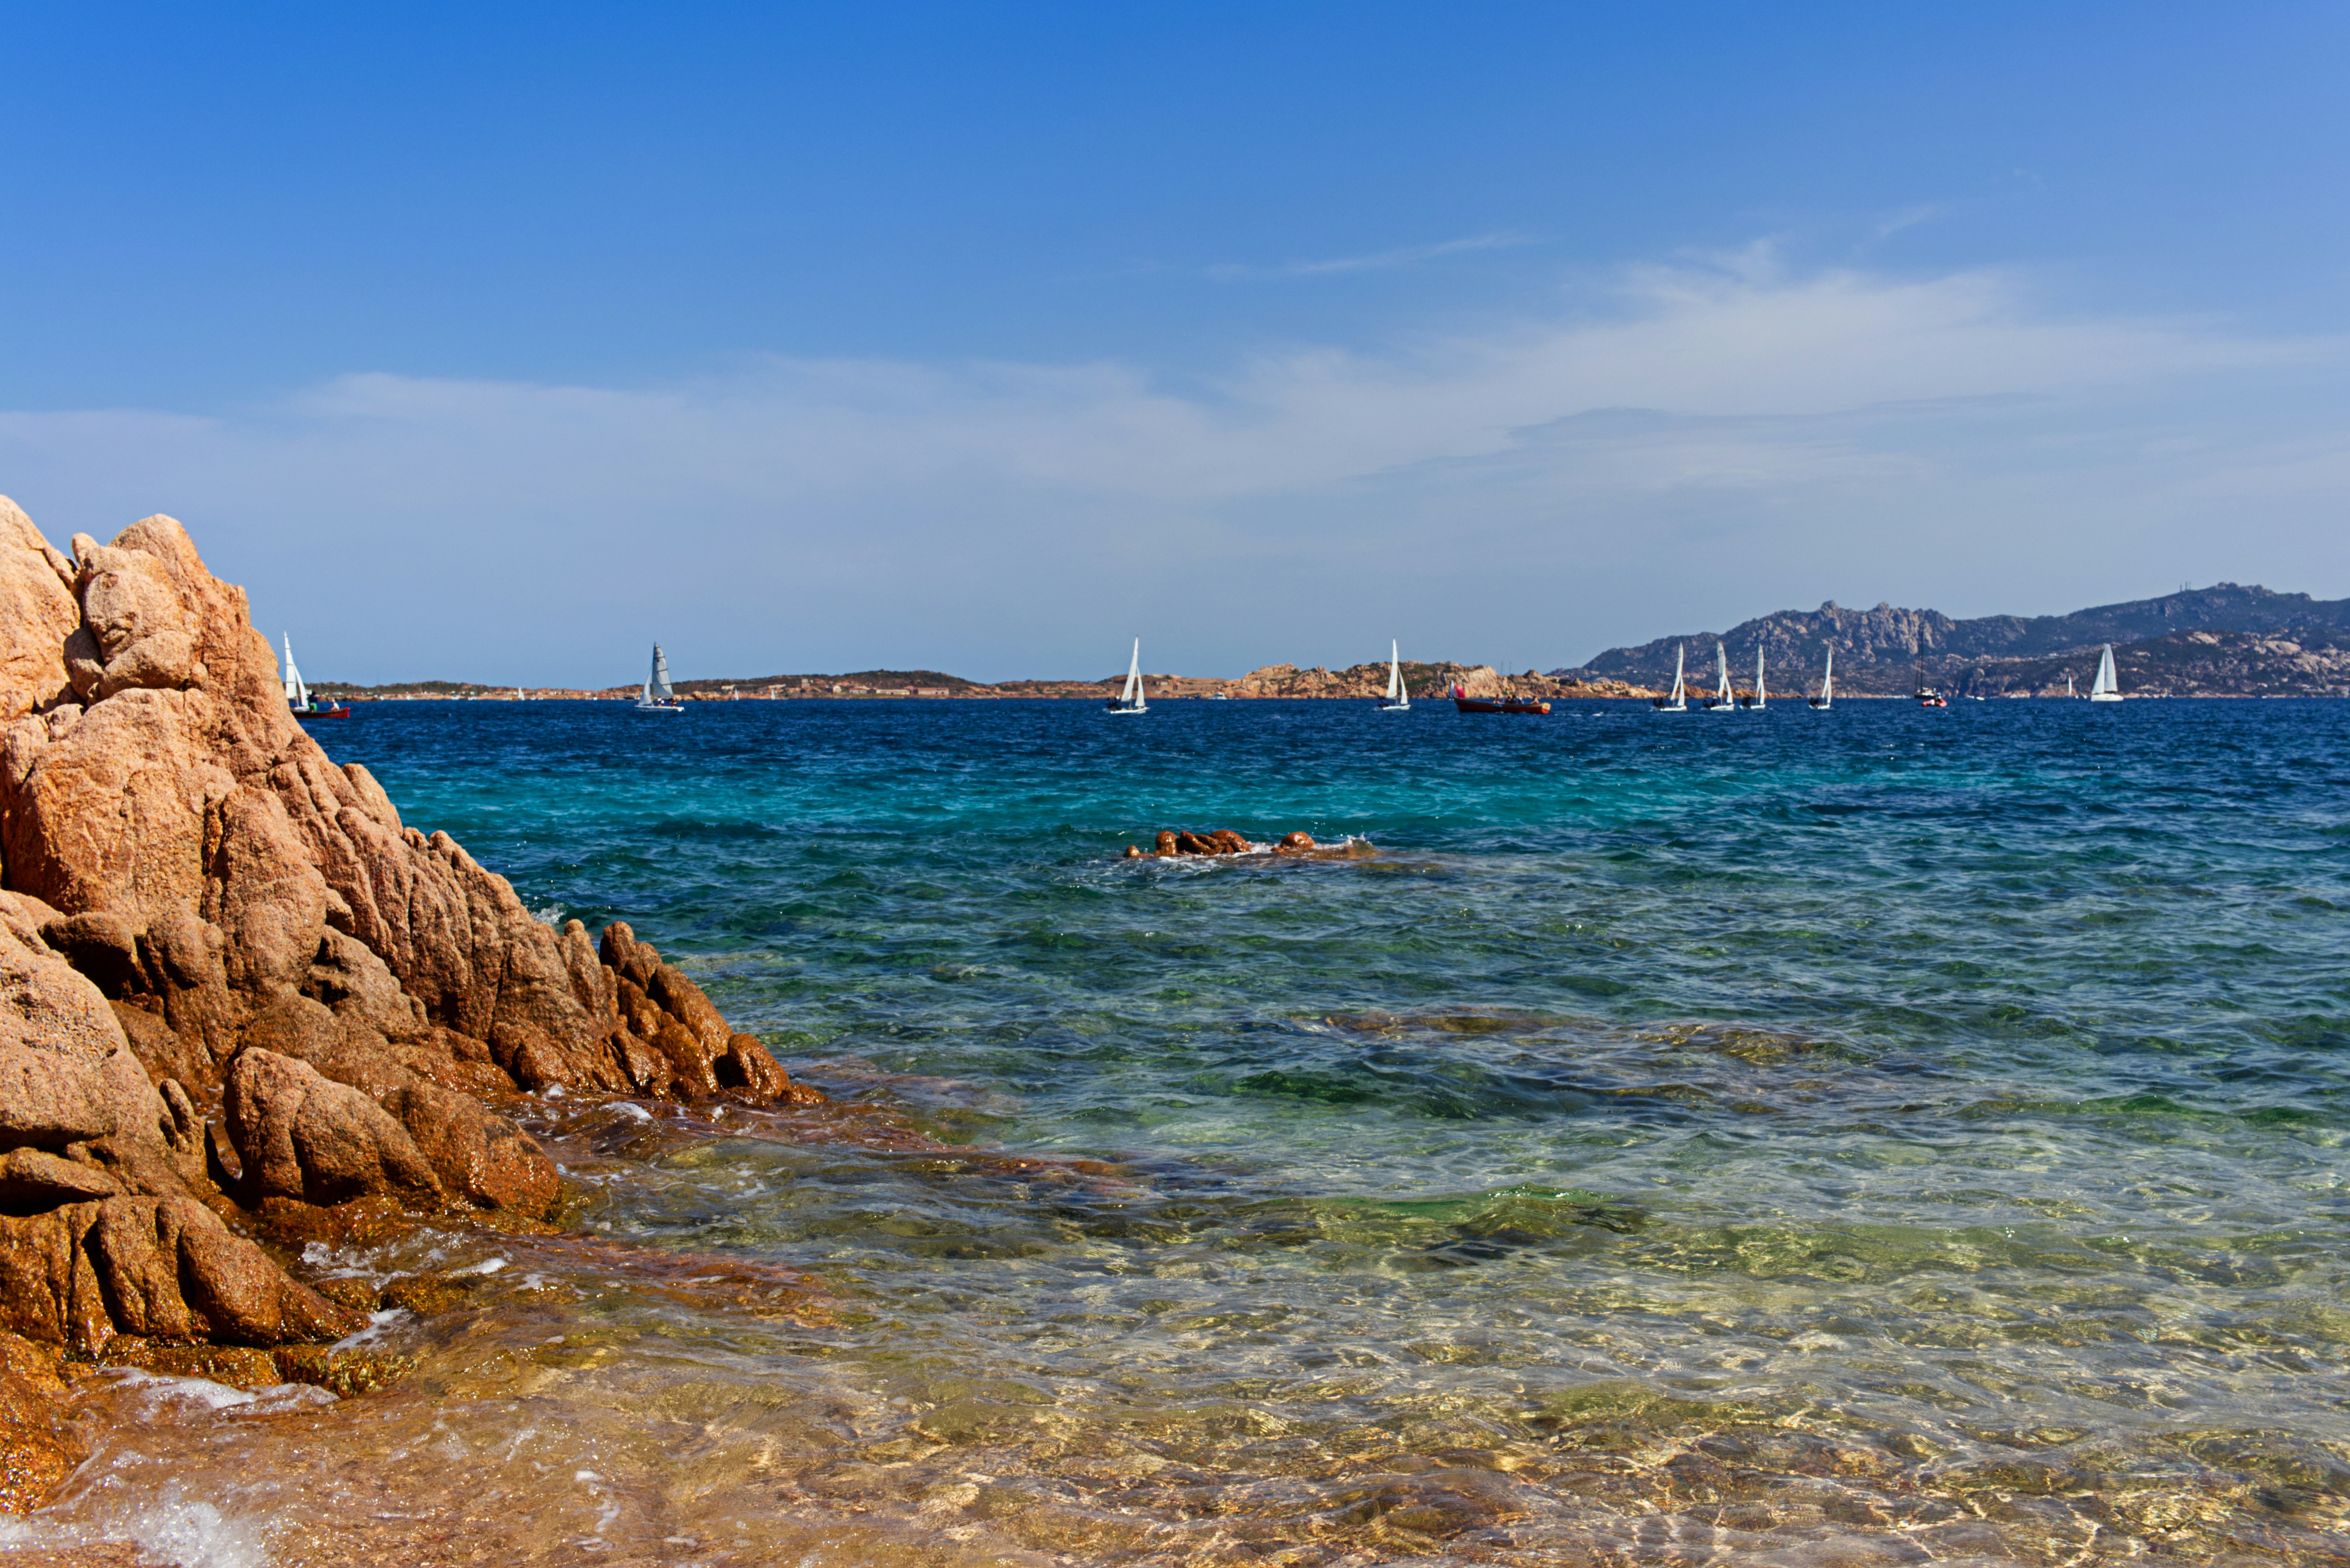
[496,342]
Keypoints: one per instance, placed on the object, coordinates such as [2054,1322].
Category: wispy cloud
[1893,223]
[1378,261]
[1837,432]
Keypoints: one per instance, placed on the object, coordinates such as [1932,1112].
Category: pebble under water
[1879,1135]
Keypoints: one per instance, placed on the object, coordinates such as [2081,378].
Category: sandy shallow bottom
[592,1398]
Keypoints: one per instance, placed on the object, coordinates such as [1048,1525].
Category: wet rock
[688,1058]
[302,1135]
[682,999]
[162,1267]
[645,1068]
[1221,841]
[479,1155]
[749,1068]
[37,1450]
[1294,843]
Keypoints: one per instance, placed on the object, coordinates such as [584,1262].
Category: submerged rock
[1221,841]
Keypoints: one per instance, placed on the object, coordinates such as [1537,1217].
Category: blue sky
[494,342]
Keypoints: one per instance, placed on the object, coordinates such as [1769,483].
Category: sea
[1869,1136]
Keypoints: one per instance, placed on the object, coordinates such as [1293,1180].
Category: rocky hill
[2226,640]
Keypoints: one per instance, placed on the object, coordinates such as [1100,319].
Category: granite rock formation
[231,977]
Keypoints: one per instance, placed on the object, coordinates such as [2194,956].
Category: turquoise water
[1885,1135]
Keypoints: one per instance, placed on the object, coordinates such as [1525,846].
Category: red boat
[1468,704]
[339,711]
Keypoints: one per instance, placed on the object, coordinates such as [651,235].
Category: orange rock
[37,1449]
[164,1268]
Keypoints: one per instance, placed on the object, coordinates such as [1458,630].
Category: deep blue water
[1960,1095]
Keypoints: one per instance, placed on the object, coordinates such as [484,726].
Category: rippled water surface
[1883,1136]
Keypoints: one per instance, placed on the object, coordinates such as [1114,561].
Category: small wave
[170,1527]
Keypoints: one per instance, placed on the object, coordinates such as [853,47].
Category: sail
[1394,673]
[297,694]
[2105,688]
[1827,681]
[1133,693]
[1680,692]
[1758,678]
[1721,663]
[658,688]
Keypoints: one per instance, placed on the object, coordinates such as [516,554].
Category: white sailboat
[1760,698]
[657,697]
[1397,700]
[1827,683]
[1721,702]
[1678,702]
[1131,700]
[298,700]
[2068,685]
[2105,688]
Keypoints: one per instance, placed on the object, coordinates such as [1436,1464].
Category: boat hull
[1503,705]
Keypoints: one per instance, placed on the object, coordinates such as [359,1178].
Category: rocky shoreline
[247,1008]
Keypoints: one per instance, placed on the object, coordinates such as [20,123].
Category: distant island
[2225,641]
[2222,641]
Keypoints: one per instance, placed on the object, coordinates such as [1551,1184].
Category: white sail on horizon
[297,694]
[1132,699]
[1678,702]
[1758,677]
[1827,682]
[2107,686]
[657,697]
[1396,698]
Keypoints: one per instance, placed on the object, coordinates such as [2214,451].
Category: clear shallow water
[1880,1135]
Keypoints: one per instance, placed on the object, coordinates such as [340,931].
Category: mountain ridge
[2228,639]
